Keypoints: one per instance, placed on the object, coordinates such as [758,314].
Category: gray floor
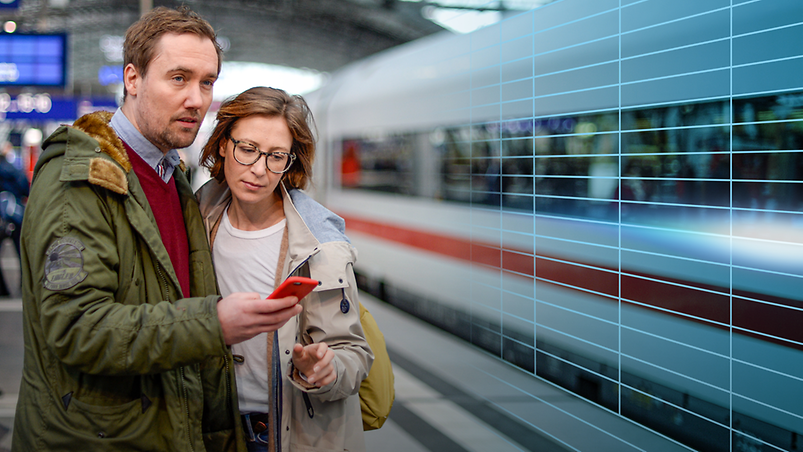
[450,397]
[10,343]
[483,404]
[11,366]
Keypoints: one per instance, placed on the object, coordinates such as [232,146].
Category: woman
[262,229]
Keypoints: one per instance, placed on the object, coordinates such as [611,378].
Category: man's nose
[195,98]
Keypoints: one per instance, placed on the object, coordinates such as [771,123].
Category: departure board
[33,60]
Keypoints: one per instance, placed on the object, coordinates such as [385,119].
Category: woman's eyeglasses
[248,154]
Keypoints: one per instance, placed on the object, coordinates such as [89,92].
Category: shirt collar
[144,148]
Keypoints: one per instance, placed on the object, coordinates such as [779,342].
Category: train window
[674,154]
[682,115]
[485,148]
[517,128]
[694,140]
[568,165]
[519,147]
[385,164]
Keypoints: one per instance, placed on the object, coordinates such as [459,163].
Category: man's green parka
[116,358]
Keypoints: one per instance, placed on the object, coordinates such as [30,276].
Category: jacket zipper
[307,402]
[186,407]
[164,281]
[181,369]
[228,378]
[315,251]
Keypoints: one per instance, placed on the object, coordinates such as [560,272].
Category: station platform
[453,397]
[450,396]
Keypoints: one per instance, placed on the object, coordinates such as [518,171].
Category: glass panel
[631,183]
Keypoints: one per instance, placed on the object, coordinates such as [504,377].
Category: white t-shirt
[246,261]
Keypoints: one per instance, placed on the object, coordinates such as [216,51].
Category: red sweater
[163,198]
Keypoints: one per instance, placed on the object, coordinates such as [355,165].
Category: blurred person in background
[126,340]
[14,188]
[297,387]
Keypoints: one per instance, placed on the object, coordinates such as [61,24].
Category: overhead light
[460,20]
[465,16]
[237,76]
[10,26]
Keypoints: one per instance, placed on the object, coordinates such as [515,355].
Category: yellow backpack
[376,391]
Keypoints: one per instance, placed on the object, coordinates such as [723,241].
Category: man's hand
[315,362]
[243,315]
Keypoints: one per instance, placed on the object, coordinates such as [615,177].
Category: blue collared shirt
[144,148]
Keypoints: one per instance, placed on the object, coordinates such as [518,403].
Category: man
[126,345]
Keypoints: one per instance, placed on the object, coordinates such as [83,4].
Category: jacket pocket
[325,431]
[124,425]
[202,278]
[331,266]
[218,393]
[132,291]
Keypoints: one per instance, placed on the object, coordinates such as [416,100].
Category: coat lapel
[142,220]
[302,243]
[103,172]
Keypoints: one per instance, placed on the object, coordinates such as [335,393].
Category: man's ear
[131,78]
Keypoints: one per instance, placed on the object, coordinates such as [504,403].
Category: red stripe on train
[702,301]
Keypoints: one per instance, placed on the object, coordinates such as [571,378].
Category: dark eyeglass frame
[260,153]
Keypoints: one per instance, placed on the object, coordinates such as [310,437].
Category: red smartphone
[298,286]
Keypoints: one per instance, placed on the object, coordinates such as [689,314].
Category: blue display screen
[9,4]
[33,59]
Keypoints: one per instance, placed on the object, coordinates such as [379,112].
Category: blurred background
[60,59]
[578,221]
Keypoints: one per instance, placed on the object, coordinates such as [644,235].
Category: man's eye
[178,78]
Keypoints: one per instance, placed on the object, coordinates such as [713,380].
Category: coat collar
[303,242]
[96,125]
[326,237]
[93,153]
[214,197]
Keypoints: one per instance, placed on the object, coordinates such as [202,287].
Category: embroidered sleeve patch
[64,264]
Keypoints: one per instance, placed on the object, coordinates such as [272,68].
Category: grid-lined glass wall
[634,175]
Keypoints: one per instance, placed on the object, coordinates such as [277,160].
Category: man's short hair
[143,35]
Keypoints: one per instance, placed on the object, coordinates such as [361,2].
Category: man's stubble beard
[171,140]
[168,139]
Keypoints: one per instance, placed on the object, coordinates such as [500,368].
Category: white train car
[604,193]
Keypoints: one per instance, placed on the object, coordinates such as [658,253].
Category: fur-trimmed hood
[93,152]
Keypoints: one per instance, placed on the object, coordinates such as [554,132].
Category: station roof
[321,35]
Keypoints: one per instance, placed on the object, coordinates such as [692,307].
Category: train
[606,194]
